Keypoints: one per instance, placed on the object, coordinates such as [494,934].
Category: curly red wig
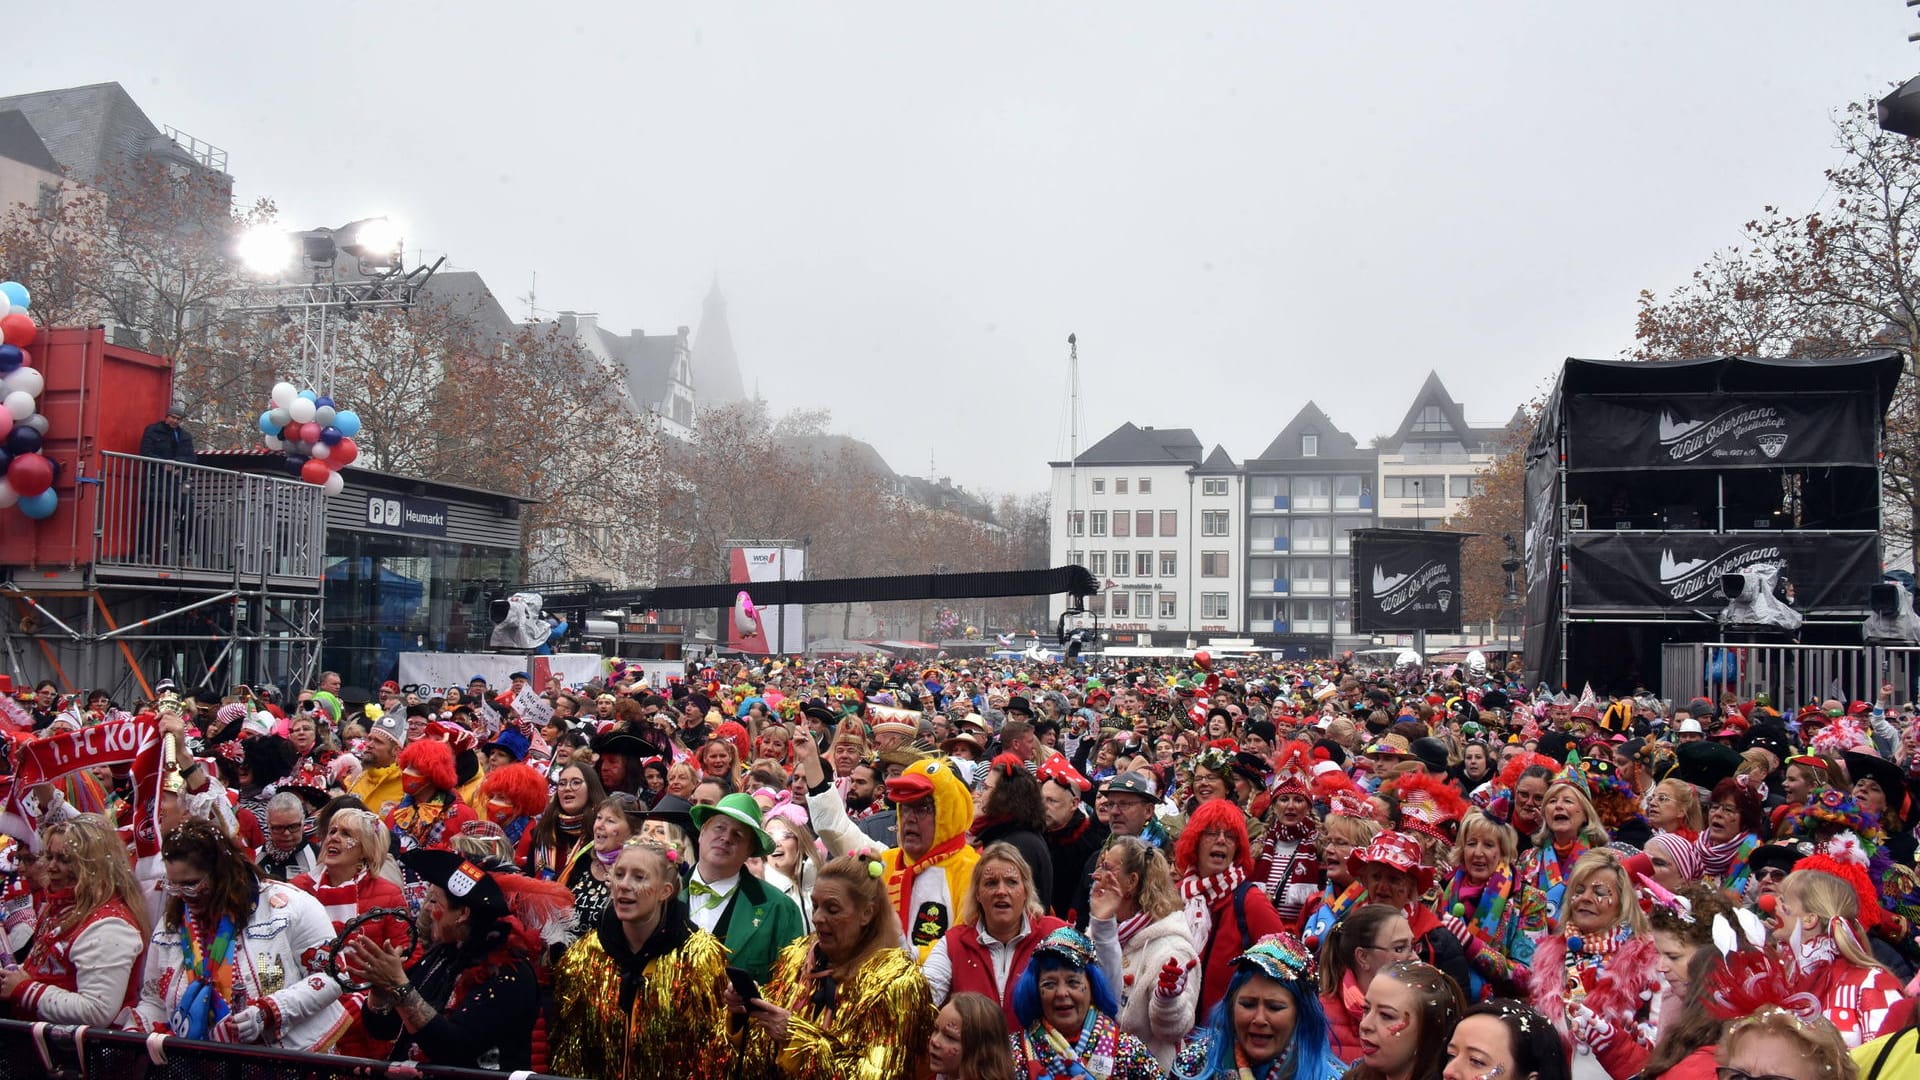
[1214,814]
[433,760]
[520,785]
[1510,775]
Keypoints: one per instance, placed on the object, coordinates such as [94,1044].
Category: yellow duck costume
[926,892]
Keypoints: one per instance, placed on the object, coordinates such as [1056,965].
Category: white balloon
[284,393]
[320,451]
[273,442]
[323,415]
[19,404]
[301,410]
[25,379]
[8,496]
[37,422]
[334,484]
[16,309]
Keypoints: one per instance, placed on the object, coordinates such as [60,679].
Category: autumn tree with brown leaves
[1496,510]
[1827,282]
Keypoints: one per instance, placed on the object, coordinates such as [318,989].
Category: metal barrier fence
[31,1051]
[1791,675]
[163,516]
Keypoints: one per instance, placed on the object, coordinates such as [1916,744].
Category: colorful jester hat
[1280,957]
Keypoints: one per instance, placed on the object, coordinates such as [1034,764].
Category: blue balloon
[347,422]
[267,426]
[15,293]
[310,396]
[6,459]
[11,357]
[323,402]
[331,435]
[39,507]
[24,440]
[296,462]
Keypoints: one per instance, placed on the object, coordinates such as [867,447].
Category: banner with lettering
[1721,431]
[1406,579]
[130,739]
[1820,572]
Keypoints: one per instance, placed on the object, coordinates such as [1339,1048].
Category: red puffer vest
[973,965]
[51,958]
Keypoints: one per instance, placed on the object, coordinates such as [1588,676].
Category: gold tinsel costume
[877,1030]
[674,1027]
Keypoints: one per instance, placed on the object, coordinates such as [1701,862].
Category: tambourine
[347,930]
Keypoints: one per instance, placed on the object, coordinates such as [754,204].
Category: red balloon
[314,472]
[309,432]
[1203,660]
[30,474]
[17,330]
[343,453]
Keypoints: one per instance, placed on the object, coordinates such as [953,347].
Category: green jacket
[758,923]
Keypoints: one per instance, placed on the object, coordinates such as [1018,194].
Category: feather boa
[1616,994]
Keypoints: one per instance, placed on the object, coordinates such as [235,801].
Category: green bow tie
[696,887]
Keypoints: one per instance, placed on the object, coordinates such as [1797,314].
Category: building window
[1169,523]
[1309,446]
[1122,523]
[1121,561]
[1213,605]
[1146,485]
[1312,492]
[1073,559]
[1097,604]
[1213,564]
[1431,418]
[1430,490]
[1312,534]
[1099,523]
[1143,523]
[1099,486]
[1213,523]
[1077,523]
[1459,487]
[1120,604]
[1346,493]
[1143,564]
[1119,485]
[1169,564]
[1169,605]
[1097,563]
[1213,487]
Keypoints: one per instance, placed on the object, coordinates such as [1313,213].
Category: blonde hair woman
[1775,1043]
[1495,914]
[91,931]
[1603,946]
[795,860]
[1819,912]
[1569,828]
[1140,932]
[1672,806]
[1001,907]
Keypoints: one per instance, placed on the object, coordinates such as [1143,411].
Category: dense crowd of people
[979,870]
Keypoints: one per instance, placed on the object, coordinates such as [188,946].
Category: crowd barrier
[34,1051]
[1790,674]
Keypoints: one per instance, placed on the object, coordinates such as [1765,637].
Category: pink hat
[1684,856]
[1395,851]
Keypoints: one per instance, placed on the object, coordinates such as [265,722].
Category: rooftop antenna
[1073,430]
[532,297]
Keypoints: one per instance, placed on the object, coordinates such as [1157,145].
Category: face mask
[412,783]
[499,811]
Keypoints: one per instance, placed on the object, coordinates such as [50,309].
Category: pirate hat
[464,881]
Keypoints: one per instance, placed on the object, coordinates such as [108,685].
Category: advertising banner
[1721,431]
[780,629]
[1662,571]
[1406,579]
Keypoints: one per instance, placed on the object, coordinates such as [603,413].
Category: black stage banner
[1664,571]
[1721,431]
[1406,579]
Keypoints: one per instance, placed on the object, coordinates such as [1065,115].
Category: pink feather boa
[1616,994]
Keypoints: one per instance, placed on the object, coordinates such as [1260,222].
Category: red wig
[1510,775]
[1331,782]
[520,785]
[433,760]
[1212,815]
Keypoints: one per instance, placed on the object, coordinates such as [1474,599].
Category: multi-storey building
[1305,492]
[1429,466]
[1158,522]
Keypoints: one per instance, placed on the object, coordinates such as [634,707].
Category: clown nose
[1768,903]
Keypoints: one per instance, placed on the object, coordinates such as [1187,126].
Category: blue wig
[1026,992]
[1310,1047]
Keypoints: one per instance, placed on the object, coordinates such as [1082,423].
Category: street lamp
[1510,600]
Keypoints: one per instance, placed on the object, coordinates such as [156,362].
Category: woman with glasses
[1065,1006]
[1736,819]
[1355,950]
[590,877]
[547,849]
[229,960]
[1226,909]
[1773,1044]
[91,930]
[1673,807]
[1596,978]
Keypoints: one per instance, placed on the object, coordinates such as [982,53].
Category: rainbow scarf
[207,968]
[1052,1057]
[1488,909]
[1552,876]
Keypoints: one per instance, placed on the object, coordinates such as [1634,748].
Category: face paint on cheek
[1492,1074]
[1399,1026]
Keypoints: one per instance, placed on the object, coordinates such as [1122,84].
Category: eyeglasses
[1728,1072]
[292,828]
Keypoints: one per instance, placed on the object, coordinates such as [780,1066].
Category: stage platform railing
[33,1051]
[1790,675]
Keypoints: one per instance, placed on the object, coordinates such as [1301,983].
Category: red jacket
[973,965]
[1699,1065]
[1343,1028]
[1226,942]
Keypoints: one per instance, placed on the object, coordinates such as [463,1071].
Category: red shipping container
[99,398]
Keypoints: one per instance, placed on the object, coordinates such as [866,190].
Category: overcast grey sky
[1237,206]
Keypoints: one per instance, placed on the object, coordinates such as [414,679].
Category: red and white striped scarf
[341,901]
[1202,893]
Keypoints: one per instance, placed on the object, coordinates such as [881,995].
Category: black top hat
[674,810]
[1882,772]
[622,740]
[463,881]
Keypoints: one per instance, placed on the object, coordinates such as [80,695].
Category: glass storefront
[388,594]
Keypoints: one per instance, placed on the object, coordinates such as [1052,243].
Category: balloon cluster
[26,474]
[314,433]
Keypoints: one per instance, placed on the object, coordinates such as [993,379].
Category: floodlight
[265,250]
[374,241]
[317,247]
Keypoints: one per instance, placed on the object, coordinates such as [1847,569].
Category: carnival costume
[874,1026]
[1140,950]
[1598,992]
[198,976]
[1100,1049]
[659,1012]
[83,975]
[925,892]
[1287,866]
[1308,1056]
[1502,918]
